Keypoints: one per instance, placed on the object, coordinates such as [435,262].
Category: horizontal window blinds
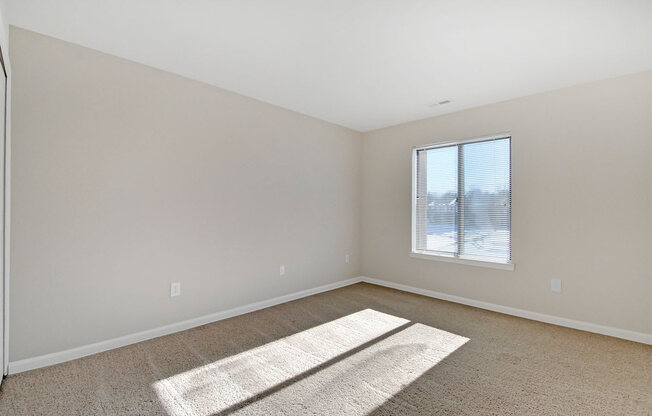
[463,200]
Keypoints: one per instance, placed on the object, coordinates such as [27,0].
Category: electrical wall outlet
[175,289]
[282,270]
[347,259]
[555,285]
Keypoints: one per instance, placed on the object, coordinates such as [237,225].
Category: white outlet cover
[555,285]
[282,270]
[175,289]
[347,259]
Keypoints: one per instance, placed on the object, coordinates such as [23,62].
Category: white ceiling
[363,64]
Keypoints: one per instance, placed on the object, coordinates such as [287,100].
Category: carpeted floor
[362,349]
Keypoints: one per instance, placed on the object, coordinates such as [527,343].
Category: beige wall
[582,203]
[127,178]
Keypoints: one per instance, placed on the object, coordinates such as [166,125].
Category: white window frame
[451,258]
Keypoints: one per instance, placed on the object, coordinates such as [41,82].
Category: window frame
[454,258]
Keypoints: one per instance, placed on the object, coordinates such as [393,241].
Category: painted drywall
[363,64]
[4,25]
[5,277]
[127,178]
[581,201]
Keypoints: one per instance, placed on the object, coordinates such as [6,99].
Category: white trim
[541,317]
[458,260]
[4,45]
[7,217]
[414,200]
[497,136]
[419,254]
[74,353]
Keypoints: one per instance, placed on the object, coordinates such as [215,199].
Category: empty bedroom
[301,207]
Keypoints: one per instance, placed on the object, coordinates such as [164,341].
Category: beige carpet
[362,349]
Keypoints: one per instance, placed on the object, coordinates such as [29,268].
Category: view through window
[463,200]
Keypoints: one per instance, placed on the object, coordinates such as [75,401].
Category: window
[462,202]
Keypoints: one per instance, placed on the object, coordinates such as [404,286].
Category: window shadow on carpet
[352,364]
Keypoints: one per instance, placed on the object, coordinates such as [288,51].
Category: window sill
[470,262]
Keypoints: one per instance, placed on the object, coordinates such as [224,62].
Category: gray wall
[127,178]
[582,203]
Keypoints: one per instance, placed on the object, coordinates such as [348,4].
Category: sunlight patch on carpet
[344,365]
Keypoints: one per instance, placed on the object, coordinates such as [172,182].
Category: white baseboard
[71,354]
[550,319]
